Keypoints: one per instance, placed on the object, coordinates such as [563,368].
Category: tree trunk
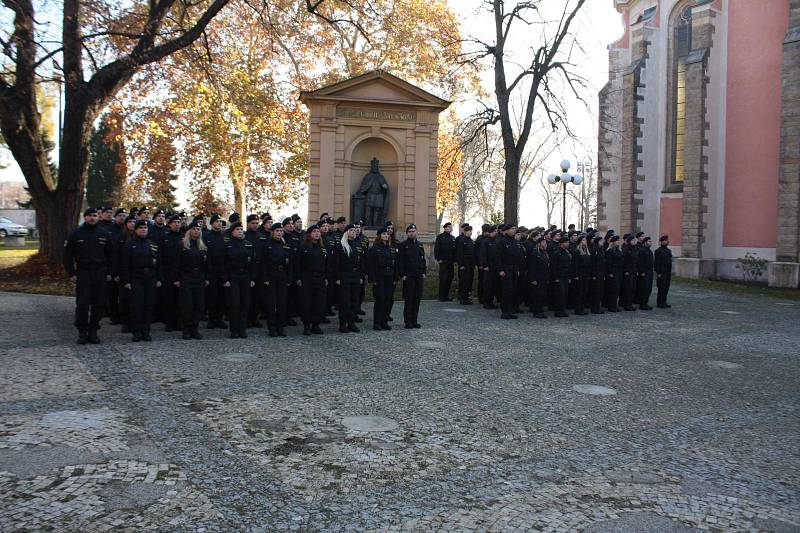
[238,196]
[511,190]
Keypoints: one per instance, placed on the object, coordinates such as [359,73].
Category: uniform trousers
[538,295]
[238,296]
[215,299]
[276,295]
[90,297]
[142,300]
[445,279]
[349,287]
[663,283]
[508,284]
[412,294]
[382,289]
[192,294]
[465,275]
[313,291]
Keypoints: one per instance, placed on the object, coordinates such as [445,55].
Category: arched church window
[681,46]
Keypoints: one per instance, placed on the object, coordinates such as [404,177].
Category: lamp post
[565,177]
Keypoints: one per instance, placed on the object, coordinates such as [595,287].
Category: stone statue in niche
[370,202]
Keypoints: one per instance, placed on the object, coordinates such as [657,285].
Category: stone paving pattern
[673,420]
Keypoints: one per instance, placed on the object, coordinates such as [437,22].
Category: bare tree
[584,197]
[91,32]
[550,194]
[540,81]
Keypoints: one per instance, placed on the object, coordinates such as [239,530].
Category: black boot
[306,329]
[82,336]
[137,336]
[146,335]
[195,332]
[315,329]
[187,334]
[273,332]
[126,328]
[281,332]
[352,327]
[92,337]
[242,333]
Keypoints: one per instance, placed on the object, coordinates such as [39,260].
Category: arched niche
[361,155]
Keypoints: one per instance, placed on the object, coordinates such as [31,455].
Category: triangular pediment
[376,86]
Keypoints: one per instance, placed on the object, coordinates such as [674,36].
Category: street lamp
[565,177]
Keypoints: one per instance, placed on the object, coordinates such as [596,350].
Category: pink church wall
[671,220]
[753,119]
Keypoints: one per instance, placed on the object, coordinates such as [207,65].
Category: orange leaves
[451,169]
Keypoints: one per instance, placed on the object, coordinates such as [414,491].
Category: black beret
[107,208]
[501,227]
[467,228]
[358,223]
[144,208]
[193,224]
[597,238]
[447,224]
[296,217]
[340,220]
[251,218]
[486,227]
[214,218]
[491,228]
[173,218]
[266,216]
[182,214]
[323,216]
[159,212]
[90,211]
[628,238]
[663,238]
[287,221]
[235,225]
[234,217]
[312,228]
[639,234]
[410,227]
[389,223]
[139,224]
[199,218]
[349,226]
[609,233]
[120,211]
[613,238]
[464,225]
[275,226]
[646,238]
[381,230]
[130,217]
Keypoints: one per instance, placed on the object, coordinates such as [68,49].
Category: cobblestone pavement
[670,420]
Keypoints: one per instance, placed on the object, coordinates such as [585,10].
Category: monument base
[691,267]
[783,274]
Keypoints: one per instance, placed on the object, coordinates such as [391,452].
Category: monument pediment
[376,86]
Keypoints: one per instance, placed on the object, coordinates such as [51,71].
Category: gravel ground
[669,420]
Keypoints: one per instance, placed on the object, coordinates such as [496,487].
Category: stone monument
[373,152]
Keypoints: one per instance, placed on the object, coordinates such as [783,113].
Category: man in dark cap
[295,301]
[362,242]
[510,258]
[644,268]
[444,252]
[329,242]
[89,262]
[158,227]
[629,274]
[477,250]
[259,241]
[465,257]
[169,301]
[139,274]
[615,268]
[143,213]
[232,219]
[487,265]
[560,264]
[662,264]
[215,294]
[276,277]
[412,268]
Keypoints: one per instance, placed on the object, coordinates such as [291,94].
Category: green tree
[107,166]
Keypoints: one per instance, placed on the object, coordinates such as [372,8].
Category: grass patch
[738,287]
[22,270]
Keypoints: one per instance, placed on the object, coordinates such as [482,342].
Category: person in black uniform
[89,260]
[363,246]
[583,263]
[311,265]
[294,304]
[477,249]
[124,295]
[598,277]
[412,268]
[510,258]
[644,268]
[258,240]
[330,242]
[487,264]
[215,292]
[116,229]
[276,276]
[444,252]
[629,275]
[158,228]
[465,257]
[239,279]
[140,274]
[394,245]
[559,269]
[382,273]
[348,264]
[170,244]
[539,275]
[615,270]
[192,271]
[662,264]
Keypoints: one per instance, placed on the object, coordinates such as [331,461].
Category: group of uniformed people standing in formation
[553,268]
[178,271]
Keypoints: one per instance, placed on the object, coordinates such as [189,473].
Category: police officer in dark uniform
[115,228]
[124,294]
[158,228]
[382,273]
[615,269]
[539,275]
[329,242]
[240,275]
[348,263]
[192,271]
[582,259]
[363,246]
[258,240]
[629,274]
[140,273]
[662,264]
[477,248]
[89,261]
[465,257]
[311,266]
[294,305]
[644,268]
[444,252]
[510,258]
[215,273]
[598,277]
[487,263]
[559,272]
[412,268]
[170,245]
[276,276]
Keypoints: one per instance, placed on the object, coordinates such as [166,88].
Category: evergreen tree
[106,180]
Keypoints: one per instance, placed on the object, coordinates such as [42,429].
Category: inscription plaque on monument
[375,114]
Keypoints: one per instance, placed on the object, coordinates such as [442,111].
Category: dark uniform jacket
[192,262]
[662,260]
[444,248]
[171,245]
[487,254]
[614,261]
[644,260]
[382,262]
[215,242]
[510,255]
[629,259]
[560,264]
[139,256]
[276,260]
[311,259]
[240,262]
[348,263]
[90,247]
[538,267]
[155,233]
[465,251]
[598,261]
[411,258]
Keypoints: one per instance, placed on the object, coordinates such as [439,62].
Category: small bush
[752,266]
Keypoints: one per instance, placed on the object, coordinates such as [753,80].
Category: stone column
[695,184]
[422,137]
[785,271]
[327,168]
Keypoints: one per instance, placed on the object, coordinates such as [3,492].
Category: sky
[597,25]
